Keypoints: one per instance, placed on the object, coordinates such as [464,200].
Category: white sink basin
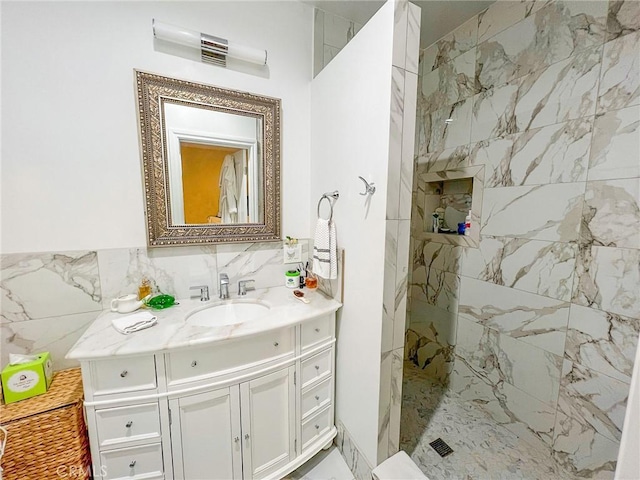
[223,314]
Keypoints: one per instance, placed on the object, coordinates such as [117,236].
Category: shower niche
[452,195]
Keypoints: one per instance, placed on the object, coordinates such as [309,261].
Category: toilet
[398,467]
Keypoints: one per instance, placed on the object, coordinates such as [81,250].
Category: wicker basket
[47,437]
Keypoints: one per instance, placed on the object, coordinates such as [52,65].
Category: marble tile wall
[352,455]
[330,34]
[49,299]
[398,214]
[538,326]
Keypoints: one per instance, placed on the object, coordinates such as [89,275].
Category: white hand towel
[325,253]
[132,323]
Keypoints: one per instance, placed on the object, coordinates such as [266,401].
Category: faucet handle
[224,279]
[243,287]
[204,292]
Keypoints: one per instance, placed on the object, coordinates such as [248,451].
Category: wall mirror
[211,162]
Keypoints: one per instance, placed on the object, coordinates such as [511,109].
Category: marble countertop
[173,331]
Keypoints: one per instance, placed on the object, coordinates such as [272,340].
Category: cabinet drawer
[121,375]
[128,424]
[316,332]
[137,462]
[316,398]
[316,367]
[315,427]
[194,364]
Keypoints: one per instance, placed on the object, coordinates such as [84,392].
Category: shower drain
[441,447]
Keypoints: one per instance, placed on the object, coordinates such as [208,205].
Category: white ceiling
[439,17]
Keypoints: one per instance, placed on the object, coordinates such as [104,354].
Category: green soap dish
[161,301]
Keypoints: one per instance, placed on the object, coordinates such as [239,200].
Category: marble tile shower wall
[49,299]
[404,87]
[539,325]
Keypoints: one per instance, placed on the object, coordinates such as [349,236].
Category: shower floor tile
[482,449]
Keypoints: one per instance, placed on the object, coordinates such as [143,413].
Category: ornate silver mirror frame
[154,93]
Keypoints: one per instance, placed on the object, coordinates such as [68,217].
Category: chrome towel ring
[328,196]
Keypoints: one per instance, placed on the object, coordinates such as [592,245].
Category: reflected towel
[228,202]
[325,253]
[135,322]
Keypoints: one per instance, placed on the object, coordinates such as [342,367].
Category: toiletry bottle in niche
[144,289]
[440,212]
[467,222]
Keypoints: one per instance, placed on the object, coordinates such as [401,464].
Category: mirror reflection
[215,175]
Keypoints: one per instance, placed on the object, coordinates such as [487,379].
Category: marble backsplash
[49,299]
[539,325]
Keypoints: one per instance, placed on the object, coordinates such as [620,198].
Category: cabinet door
[268,419]
[205,435]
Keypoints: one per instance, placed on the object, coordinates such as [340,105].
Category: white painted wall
[71,174]
[350,101]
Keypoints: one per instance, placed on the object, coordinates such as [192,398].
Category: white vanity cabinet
[126,417]
[206,435]
[242,428]
[255,407]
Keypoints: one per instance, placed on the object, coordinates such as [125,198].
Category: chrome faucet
[224,286]
[243,288]
[204,292]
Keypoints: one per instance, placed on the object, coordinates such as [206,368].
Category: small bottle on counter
[144,289]
[311,281]
[302,277]
[292,279]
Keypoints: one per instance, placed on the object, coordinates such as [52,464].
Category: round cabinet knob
[275,344]
[317,427]
[317,397]
[317,330]
[129,423]
[237,439]
[317,367]
[194,363]
[124,373]
[246,436]
[132,464]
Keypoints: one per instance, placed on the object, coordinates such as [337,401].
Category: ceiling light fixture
[213,50]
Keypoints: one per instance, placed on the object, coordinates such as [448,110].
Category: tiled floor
[482,449]
[326,465]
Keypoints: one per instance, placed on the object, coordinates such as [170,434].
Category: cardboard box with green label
[25,380]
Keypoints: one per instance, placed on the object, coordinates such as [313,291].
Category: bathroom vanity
[240,389]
